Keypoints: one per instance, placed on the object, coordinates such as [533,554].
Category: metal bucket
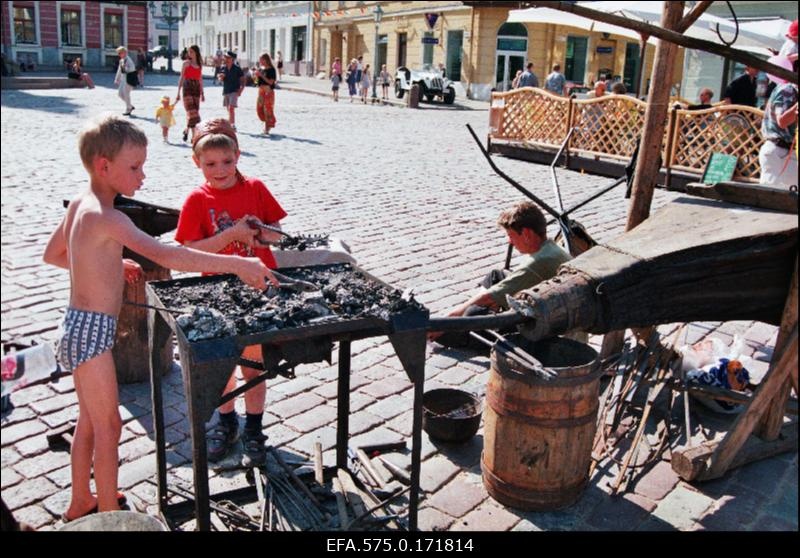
[538,433]
[115,521]
[450,415]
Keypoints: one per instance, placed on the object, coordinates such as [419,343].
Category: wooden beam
[690,464]
[754,195]
[725,453]
[771,422]
[669,34]
[692,16]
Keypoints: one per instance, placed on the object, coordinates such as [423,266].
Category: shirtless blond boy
[89,242]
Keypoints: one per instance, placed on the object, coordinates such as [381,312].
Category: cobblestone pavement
[412,195]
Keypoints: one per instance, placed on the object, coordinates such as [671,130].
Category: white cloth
[775,170]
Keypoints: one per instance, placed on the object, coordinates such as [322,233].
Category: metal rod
[517,349]
[343,404]
[466,323]
[557,190]
[380,505]
[300,484]
[510,180]
[399,473]
[590,199]
[501,349]
[161,308]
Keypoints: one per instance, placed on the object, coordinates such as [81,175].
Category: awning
[556,17]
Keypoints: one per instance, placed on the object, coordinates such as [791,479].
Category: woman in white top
[125,69]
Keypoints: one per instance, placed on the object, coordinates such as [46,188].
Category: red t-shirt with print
[208,211]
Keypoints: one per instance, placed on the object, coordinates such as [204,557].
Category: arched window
[511,53]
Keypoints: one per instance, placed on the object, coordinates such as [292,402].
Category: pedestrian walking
[528,78]
[191,86]
[336,77]
[141,64]
[265,78]
[126,79]
[385,80]
[165,117]
[352,79]
[554,82]
[365,83]
[232,78]
[279,65]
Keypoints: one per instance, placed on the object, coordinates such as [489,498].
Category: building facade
[251,28]
[480,50]
[52,33]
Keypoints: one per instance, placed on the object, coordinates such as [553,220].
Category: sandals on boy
[122,500]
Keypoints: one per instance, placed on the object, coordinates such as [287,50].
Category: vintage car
[430,81]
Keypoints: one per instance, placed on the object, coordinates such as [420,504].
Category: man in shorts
[233,82]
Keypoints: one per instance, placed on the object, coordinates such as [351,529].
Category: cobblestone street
[412,195]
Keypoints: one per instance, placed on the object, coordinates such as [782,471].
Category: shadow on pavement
[19,98]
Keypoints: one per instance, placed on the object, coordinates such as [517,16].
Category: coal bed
[223,306]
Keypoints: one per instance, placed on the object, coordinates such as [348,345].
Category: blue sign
[165,27]
[430,41]
[605,50]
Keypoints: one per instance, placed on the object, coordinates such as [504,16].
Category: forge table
[206,366]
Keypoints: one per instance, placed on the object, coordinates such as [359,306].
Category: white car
[430,81]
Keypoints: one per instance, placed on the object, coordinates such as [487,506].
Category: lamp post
[378,13]
[171,20]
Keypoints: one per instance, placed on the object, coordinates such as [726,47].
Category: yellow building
[480,50]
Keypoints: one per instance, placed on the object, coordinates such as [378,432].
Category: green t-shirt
[536,268]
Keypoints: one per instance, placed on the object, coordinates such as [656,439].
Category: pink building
[51,32]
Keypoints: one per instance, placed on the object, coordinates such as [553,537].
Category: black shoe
[185,134]
[220,439]
[255,453]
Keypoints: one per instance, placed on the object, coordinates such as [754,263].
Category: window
[575,62]
[298,43]
[112,30]
[402,43]
[24,25]
[272,43]
[427,48]
[70,28]
[244,41]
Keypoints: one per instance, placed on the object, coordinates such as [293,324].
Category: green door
[575,63]
[453,64]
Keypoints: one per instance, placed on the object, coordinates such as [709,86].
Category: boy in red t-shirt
[215,218]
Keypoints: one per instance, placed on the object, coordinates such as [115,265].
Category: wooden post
[647,165]
[772,421]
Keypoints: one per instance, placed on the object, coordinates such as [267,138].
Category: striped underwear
[85,335]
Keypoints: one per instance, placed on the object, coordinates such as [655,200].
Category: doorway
[512,48]
[452,63]
[575,60]
[631,69]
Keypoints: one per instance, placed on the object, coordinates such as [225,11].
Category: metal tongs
[297,285]
[301,244]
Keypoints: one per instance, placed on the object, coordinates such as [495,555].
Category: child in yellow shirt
[165,117]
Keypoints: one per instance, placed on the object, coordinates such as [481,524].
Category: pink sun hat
[783,62]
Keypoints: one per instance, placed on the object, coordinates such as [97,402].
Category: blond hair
[106,137]
[215,141]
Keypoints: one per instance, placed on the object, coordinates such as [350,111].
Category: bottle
[24,367]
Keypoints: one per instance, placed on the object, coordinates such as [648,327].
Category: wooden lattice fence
[609,127]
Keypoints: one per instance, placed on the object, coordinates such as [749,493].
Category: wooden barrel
[538,433]
[131,350]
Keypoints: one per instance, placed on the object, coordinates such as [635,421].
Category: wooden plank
[779,370]
[318,469]
[351,492]
[754,195]
[341,503]
[691,464]
[770,424]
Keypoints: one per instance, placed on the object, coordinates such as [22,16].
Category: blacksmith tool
[301,244]
[286,282]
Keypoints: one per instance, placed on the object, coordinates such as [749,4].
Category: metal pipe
[466,323]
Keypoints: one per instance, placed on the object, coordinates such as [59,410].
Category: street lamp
[378,13]
[166,11]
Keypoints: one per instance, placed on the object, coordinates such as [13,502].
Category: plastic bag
[712,363]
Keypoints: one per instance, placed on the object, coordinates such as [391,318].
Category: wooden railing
[609,128]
